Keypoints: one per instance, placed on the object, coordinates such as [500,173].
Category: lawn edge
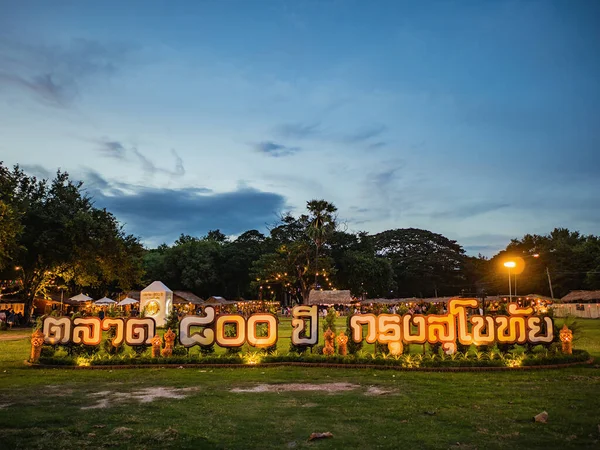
[308,364]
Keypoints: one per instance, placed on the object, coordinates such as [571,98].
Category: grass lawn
[200,408]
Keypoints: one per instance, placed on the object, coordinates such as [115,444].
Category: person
[11,318]
[101,314]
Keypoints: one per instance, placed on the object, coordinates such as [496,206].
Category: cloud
[116,149]
[55,74]
[37,171]
[161,214]
[275,150]
[44,87]
[179,168]
[113,149]
[470,210]
[297,130]
[377,145]
[364,134]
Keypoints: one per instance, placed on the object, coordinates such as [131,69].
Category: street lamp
[510,265]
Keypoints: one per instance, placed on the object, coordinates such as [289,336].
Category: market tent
[104,301]
[217,301]
[331,297]
[127,301]
[81,298]
[582,297]
[186,297]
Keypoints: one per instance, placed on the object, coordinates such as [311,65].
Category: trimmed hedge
[403,361]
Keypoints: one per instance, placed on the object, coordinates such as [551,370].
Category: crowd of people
[10,318]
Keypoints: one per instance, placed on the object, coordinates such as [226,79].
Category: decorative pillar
[566,337]
[329,337]
[169,341]
[156,346]
[342,341]
[396,348]
[37,340]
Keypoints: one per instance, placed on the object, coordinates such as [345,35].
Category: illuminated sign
[261,330]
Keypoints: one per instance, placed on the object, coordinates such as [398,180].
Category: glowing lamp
[510,264]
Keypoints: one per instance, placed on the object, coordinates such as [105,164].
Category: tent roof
[81,298]
[581,296]
[156,286]
[216,300]
[329,298]
[180,297]
[127,301]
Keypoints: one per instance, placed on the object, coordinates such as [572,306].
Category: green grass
[42,408]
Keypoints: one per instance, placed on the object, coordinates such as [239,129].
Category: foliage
[424,263]
[329,320]
[60,235]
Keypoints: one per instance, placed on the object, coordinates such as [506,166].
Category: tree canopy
[60,236]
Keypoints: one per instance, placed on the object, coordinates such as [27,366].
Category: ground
[280,407]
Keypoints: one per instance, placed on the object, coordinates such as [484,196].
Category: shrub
[298,349]
[47,351]
[140,350]
[329,321]
[206,350]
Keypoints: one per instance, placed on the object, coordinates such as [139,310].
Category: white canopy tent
[105,301]
[81,298]
[127,301]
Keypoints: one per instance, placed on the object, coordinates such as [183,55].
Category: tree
[291,264]
[424,263]
[322,225]
[10,229]
[365,273]
[64,236]
[572,260]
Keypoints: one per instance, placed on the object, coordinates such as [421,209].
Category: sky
[479,120]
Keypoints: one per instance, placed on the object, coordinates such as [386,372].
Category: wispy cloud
[37,171]
[113,149]
[275,150]
[55,74]
[467,210]
[298,130]
[364,134]
[116,149]
[315,131]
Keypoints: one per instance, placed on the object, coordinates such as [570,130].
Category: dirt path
[12,336]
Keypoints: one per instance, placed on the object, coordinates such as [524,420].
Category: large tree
[10,229]
[571,259]
[65,237]
[424,263]
[293,266]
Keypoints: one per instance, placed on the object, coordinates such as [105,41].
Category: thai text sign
[519,327]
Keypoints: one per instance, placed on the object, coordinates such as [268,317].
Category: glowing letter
[271,338]
[457,307]
[479,322]
[388,329]
[119,324]
[240,335]
[535,329]
[57,330]
[299,316]
[419,321]
[87,330]
[206,337]
[356,323]
[139,331]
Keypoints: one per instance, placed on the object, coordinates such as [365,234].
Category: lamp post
[510,265]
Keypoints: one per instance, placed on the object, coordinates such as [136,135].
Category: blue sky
[475,119]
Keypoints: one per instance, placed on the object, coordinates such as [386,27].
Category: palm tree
[322,224]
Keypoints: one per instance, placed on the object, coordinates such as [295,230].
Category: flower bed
[471,360]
